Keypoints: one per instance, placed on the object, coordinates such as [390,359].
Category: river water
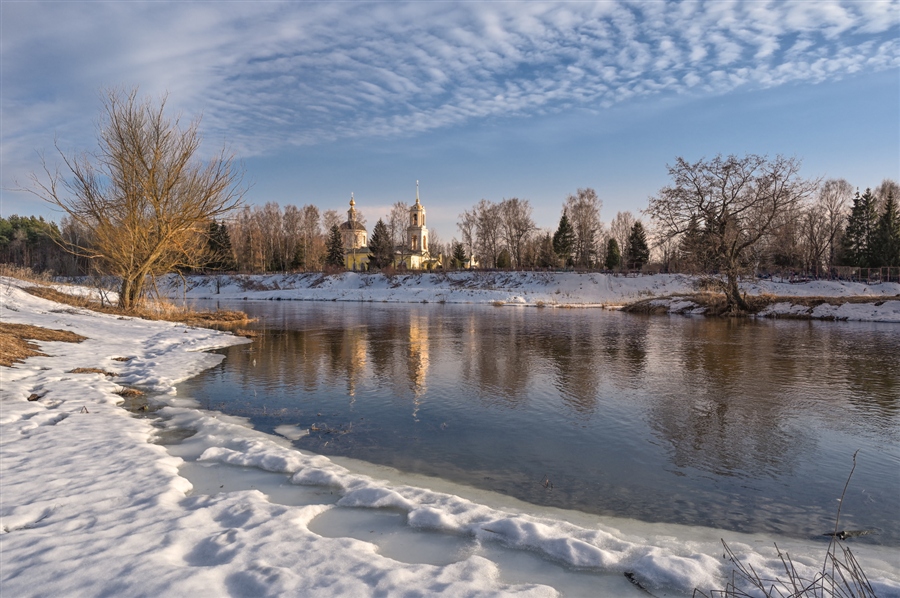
[738,424]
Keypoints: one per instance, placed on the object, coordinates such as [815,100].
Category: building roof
[352,225]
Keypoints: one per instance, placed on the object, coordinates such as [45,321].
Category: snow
[541,289]
[98,501]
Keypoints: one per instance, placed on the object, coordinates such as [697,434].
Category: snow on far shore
[543,289]
[91,506]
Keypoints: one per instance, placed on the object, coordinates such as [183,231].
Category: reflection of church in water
[417,359]
[412,254]
[404,359]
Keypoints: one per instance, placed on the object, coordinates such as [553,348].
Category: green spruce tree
[859,237]
[887,234]
[221,256]
[564,240]
[613,255]
[638,252]
[504,260]
[459,255]
[381,250]
[547,257]
[334,249]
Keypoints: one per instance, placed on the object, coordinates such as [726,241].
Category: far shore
[648,294]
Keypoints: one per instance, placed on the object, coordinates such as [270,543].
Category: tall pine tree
[859,237]
[221,256]
[564,239]
[613,255]
[459,255]
[546,257]
[381,250]
[334,249]
[638,252]
[887,234]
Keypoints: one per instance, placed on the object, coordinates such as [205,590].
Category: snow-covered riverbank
[545,289]
[91,505]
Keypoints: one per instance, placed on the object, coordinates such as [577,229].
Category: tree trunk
[130,291]
[734,302]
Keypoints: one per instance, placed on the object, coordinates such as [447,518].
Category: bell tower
[416,233]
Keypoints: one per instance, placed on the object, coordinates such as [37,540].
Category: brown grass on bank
[92,371]
[22,273]
[154,311]
[16,348]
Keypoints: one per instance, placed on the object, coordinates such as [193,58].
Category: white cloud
[266,75]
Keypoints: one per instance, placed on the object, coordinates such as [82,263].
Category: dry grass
[16,348]
[840,576]
[155,311]
[92,371]
[21,273]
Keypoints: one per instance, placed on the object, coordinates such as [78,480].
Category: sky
[472,99]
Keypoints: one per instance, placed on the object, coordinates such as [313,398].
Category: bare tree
[144,196]
[886,187]
[814,233]
[488,239]
[739,199]
[620,228]
[467,229]
[291,221]
[311,239]
[517,227]
[271,224]
[583,210]
[331,218]
[834,201]
[397,222]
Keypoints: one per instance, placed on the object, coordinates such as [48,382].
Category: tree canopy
[738,198]
[143,196]
[381,249]
[334,249]
[613,255]
[638,251]
[564,239]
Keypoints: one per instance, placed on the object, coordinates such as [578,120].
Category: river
[738,424]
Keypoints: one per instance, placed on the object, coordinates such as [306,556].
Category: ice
[96,501]
[291,432]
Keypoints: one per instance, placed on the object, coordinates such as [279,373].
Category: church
[413,254]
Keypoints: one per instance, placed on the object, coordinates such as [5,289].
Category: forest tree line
[835,225]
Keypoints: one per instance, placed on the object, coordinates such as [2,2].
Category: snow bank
[90,506]
[544,289]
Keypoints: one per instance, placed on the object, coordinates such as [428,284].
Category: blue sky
[475,99]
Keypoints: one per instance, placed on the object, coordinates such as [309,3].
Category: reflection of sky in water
[729,423]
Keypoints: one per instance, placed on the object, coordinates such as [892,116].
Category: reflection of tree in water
[730,413]
[571,351]
[585,353]
[873,377]
[496,356]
